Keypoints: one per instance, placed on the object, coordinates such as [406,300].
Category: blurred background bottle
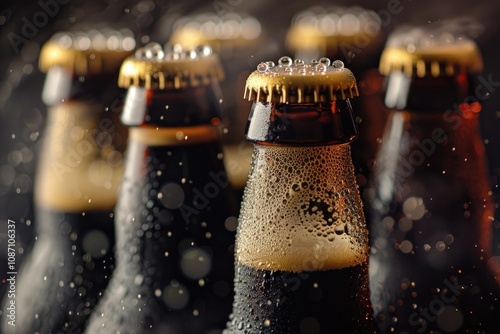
[355,35]
[433,210]
[302,244]
[175,218]
[237,38]
[76,182]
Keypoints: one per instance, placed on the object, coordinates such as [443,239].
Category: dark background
[22,113]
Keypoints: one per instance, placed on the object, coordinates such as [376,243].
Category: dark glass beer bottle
[432,214]
[302,244]
[175,217]
[76,183]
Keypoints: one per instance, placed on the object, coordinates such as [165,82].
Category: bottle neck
[81,161]
[302,124]
[307,198]
[180,108]
[436,94]
[62,85]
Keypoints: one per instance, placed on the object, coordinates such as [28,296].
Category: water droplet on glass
[338,64]
[270,63]
[285,61]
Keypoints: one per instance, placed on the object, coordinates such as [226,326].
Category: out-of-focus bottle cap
[423,51]
[152,67]
[295,81]
[87,52]
[219,31]
[329,28]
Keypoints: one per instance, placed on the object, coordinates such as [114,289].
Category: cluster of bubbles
[98,40]
[229,26]
[338,21]
[415,38]
[287,65]
[308,219]
[154,51]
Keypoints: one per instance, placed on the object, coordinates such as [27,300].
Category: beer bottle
[234,35]
[301,243]
[175,216]
[432,214]
[76,183]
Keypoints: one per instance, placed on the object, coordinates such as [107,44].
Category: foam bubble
[302,210]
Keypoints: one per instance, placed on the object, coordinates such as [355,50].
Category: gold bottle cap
[295,81]
[328,28]
[87,52]
[219,31]
[152,67]
[424,51]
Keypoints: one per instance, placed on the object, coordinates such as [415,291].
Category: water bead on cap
[296,81]
[170,67]
[325,61]
[155,51]
[285,61]
[262,67]
[338,64]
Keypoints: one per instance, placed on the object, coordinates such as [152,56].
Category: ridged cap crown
[295,81]
[423,51]
[154,67]
[329,26]
[87,52]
